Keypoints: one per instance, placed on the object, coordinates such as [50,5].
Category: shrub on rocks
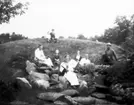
[87,69]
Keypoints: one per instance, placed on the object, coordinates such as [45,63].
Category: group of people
[42,67]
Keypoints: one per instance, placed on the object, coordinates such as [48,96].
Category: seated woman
[78,57]
[85,61]
[41,58]
[67,70]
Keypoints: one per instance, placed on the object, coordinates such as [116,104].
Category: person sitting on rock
[67,70]
[78,57]
[110,56]
[41,58]
[56,58]
[85,61]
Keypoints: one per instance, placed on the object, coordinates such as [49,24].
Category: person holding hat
[110,56]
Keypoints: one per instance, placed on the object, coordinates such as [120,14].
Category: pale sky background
[68,17]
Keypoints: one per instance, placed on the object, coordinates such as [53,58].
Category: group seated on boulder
[46,72]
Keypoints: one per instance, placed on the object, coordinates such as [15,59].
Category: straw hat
[109,44]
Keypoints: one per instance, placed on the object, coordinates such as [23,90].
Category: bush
[6,37]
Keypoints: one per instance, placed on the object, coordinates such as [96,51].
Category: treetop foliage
[122,34]
[6,37]
[9,9]
[81,36]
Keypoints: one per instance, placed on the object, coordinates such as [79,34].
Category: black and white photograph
[66,52]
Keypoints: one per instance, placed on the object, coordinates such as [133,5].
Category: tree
[9,9]
[128,45]
[15,36]
[71,37]
[119,33]
[81,36]
[6,37]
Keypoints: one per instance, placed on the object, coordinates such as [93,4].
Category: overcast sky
[68,17]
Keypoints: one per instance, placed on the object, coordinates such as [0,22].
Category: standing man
[52,34]
[110,56]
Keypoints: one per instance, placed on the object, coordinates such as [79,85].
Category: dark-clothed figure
[56,58]
[110,56]
[52,34]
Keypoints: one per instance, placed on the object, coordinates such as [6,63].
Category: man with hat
[110,56]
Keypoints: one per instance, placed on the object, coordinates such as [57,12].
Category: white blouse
[39,54]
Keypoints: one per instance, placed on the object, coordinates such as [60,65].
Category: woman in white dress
[78,57]
[85,61]
[68,68]
[41,58]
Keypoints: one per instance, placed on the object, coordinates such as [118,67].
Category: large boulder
[70,92]
[23,82]
[99,95]
[104,102]
[49,96]
[84,100]
[60,103]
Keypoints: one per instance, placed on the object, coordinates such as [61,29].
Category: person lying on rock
[67,70]
[41,58]
[40,79]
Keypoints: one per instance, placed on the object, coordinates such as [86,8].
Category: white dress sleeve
[62,66]
[39,54]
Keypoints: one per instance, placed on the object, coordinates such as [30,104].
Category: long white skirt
[72,78]
[47,61]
